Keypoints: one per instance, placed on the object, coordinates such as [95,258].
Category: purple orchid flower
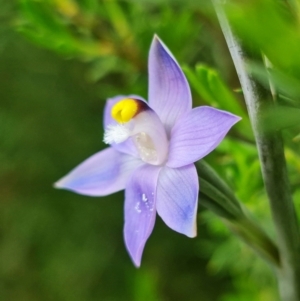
[153,146]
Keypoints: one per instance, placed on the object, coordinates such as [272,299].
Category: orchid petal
[197,133]
[127,146]
[104,173]
[177,195]
[169,92]
[140,197]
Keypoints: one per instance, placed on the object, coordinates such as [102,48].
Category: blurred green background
[59,61]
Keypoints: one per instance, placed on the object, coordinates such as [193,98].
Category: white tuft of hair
[116,133]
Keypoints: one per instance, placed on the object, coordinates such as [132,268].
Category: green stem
[235,217]
[209,174]
[246,229]
[256,238]
[273,166]
[228,208]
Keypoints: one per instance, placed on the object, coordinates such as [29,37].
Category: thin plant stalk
[273,166]
[217,196]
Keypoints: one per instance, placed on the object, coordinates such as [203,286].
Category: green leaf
[283,82]
[270,28]
[210,87]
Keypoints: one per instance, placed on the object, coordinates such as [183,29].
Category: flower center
[124,110]
[135,120]
[145,147]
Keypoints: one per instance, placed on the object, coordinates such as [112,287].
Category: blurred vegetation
[60,60]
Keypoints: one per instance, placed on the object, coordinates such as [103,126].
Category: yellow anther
[124,110]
